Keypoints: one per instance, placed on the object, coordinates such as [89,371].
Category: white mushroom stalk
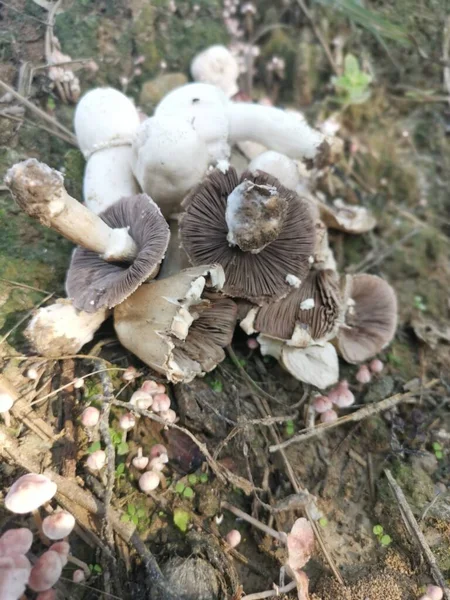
[60,329]
[40,192]
[105,123]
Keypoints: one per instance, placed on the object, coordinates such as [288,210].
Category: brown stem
[243,515]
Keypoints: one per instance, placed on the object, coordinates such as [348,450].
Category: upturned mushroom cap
[370,318]
[310,312]
[58,525]
[60,329]
[263,269]
[205,107]
[347,217]
[173,326]
[279,166]
[92,283]
[29,492]
[217,66]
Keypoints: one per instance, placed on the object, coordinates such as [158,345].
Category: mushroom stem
[79,563]
[38,520]
[278,130]
[243,515]
[40,192]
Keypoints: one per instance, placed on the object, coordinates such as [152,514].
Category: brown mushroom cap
[92,283]
[370,319]
[259,276]
[279,319]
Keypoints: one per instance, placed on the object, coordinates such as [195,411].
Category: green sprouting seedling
[323,521]
[95,568]
[216,385]
[437,447]
[204,478]
[188,492]
[353,85]
[120,446]
[419,303]
[384,539]
[181,519]
[136,515]
[394,360]
[94,447]
[289,428]
[192,479]
[179,488]
[120,471]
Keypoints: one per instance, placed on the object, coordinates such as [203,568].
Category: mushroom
[126,422]
[58,525]
[149,481]
[29,492]
[13,579]
[8,396]
[96,461]
[105,123]
[258,230]
[90,416]
[45,572]
[204,106]
[175,326]
[16,541]
[140,462]
[370,318]
[233,538]
[341,395]
[169,158]
[363,375]
[279,166]
[321,404]
[329,416]
[60,329]
[217,66]
[317,365]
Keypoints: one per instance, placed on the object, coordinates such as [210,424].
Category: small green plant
[96,569]
[188,492]
[419,303]
[216,385]
[394,360]
[384,539]
[94,447]
[179,488]
[192,479]
[352,86]
[136,515]
[116,438]
[204,478]
[181,519]
[323,521]
[289,428]
[120,471]
[437,448]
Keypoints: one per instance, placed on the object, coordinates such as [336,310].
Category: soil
[396,162]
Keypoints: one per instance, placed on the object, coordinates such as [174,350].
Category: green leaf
[122,448]
[141,513]
[385,540]
[120,469]
[216,386]
[378,530]
[181,519]
[351,65]
[323,521]
[179,487]
[438,454]
[188,492]
[94,447]
[97,569]
[131,509]
[125,518]
[193,479]
[436,446]
[204,477]
[135,520]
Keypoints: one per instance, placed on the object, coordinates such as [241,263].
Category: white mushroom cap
[104,117]
[6,401]
[216,65]
[168,159]
[58,525]
[29,492]
[204,106]
[278,165]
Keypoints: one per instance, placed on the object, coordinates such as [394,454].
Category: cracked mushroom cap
[92,283]
[258,230]
[370,318]
[310,312]
[175,325]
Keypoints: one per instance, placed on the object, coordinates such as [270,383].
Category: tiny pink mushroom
[47,595]
[96,461]
[161,403]
[126,422]
[63,550]
[434,592]
[129,374]
[78,576]
[321,404]
[157,450]
[78,383]
[376,366]
[328,416]
[156,464]
[233,538]
[341,395]
[170,416]
[141,399]
[363,375]
[90,416]
[16,541]
[29,492]
[46,572]
[140,462]
[32,374]
[149,481]
[152,387]
[58,525]
[252,344]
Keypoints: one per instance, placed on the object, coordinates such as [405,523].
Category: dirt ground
[396,163]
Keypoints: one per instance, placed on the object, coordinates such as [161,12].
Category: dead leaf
[430,331]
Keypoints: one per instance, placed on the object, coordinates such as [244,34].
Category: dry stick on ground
[359,415]
[71,493]
[69,466]
[420,538]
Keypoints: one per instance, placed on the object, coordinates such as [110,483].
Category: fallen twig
[420,538]
[271,593]
[359,415]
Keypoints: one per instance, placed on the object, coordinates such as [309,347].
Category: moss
[74,165]
[403,358]
[416,484]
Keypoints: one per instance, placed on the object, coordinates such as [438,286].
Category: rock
[379,389]
[154,90]
[425,461]
[194,578]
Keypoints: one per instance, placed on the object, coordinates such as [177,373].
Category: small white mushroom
[217,66]
[278,165]
[105,123]
[8,396]
[60,329]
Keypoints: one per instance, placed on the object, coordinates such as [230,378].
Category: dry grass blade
[420,538]
[359,415]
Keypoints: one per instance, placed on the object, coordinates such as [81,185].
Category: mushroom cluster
[250,246]
[26,495]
